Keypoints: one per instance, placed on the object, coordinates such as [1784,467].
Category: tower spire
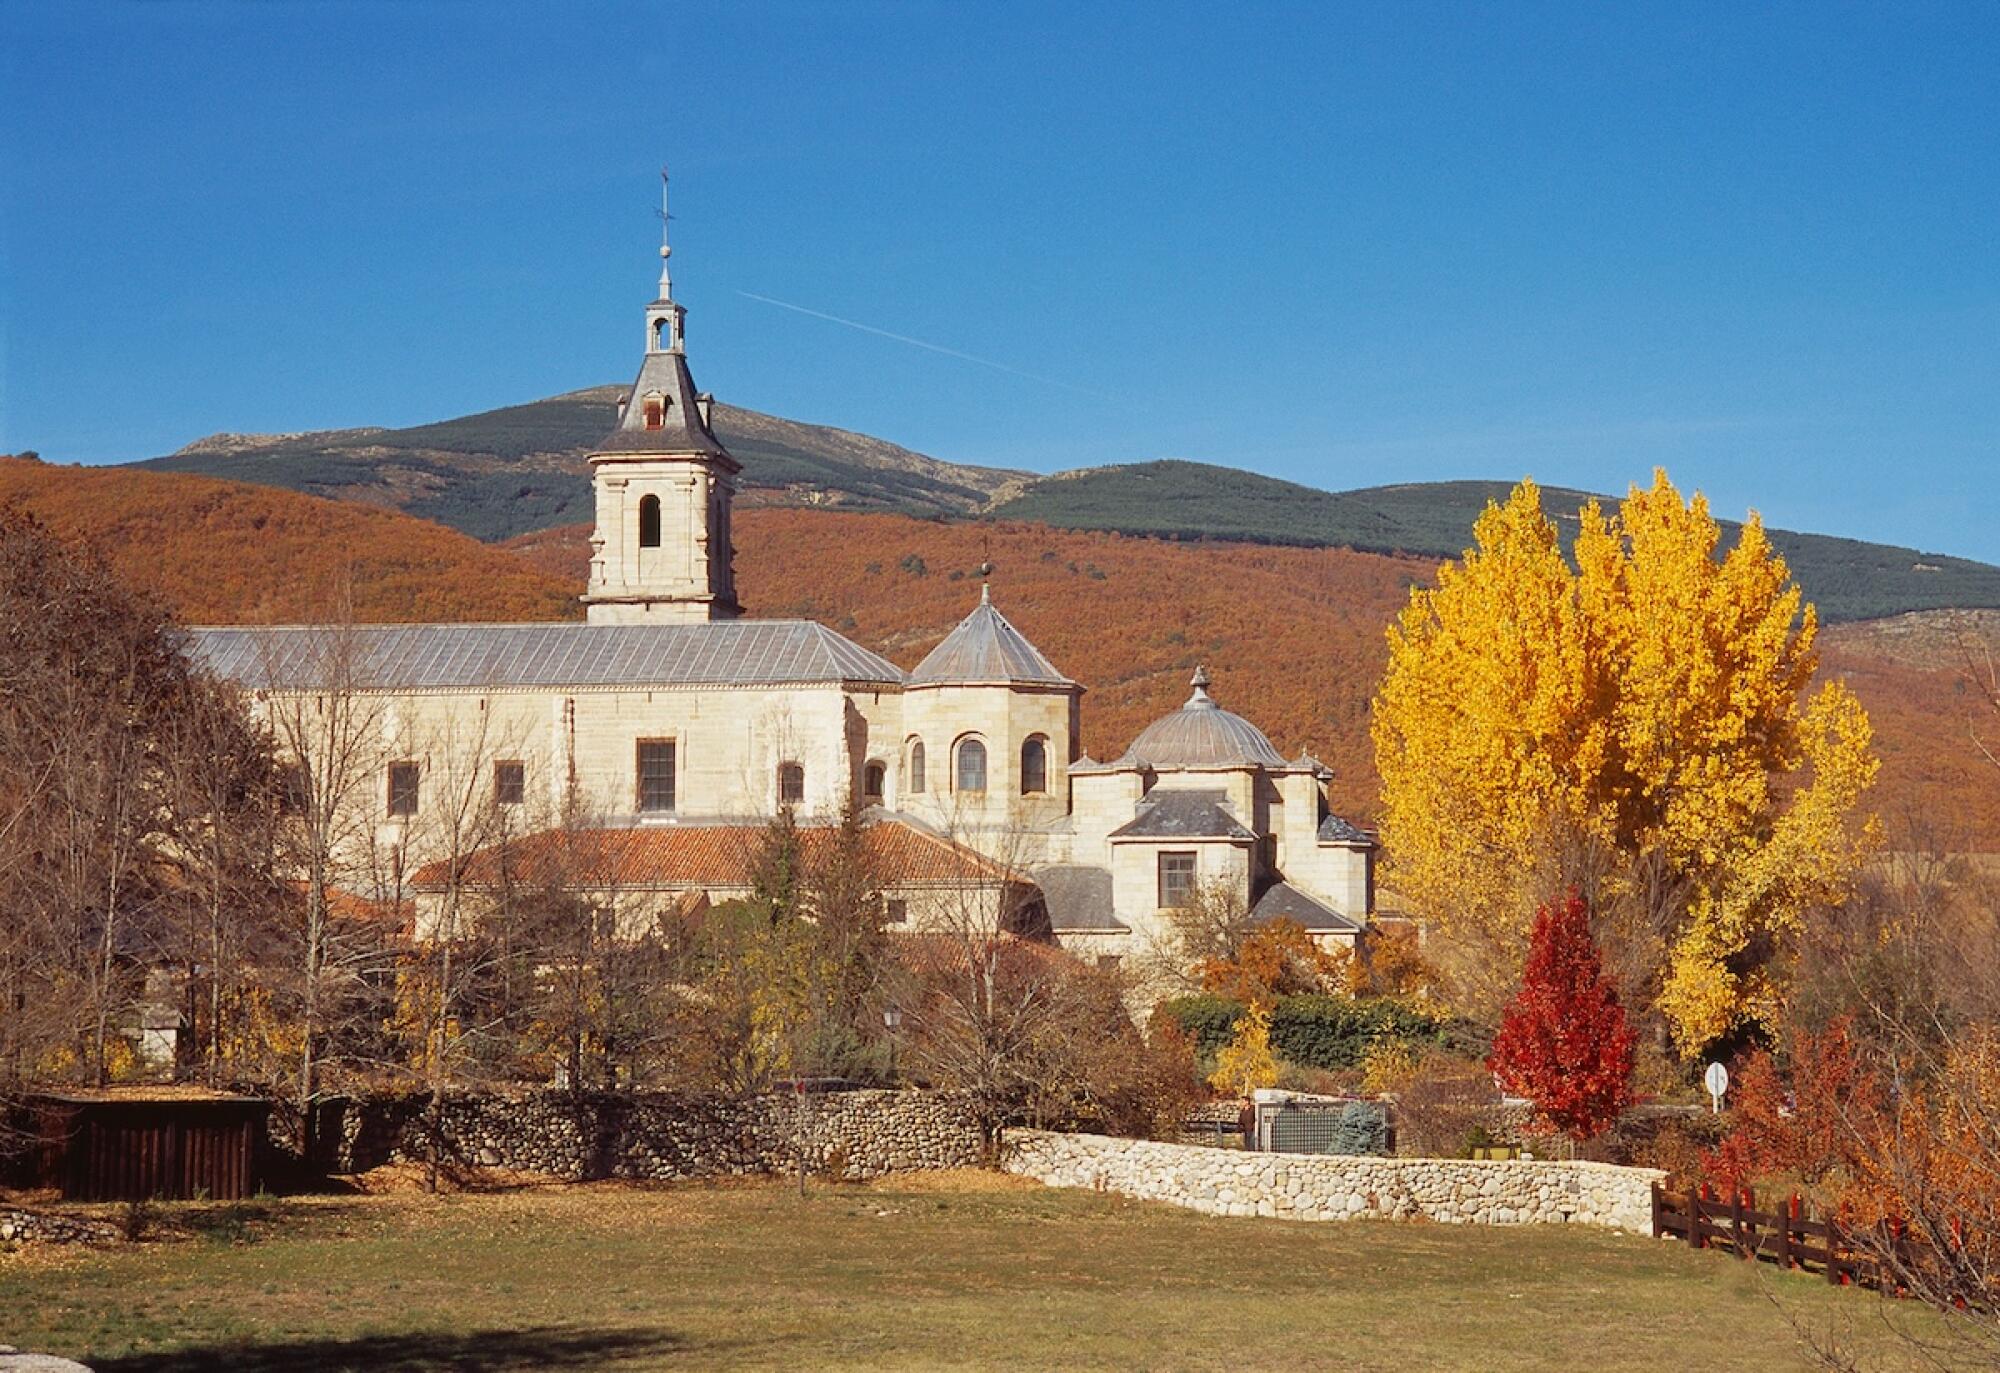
[664,482]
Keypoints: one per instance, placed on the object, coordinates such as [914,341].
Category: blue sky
[1345,245]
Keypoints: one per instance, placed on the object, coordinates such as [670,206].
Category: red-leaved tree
[1563,1042]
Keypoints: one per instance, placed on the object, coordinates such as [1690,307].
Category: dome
[1201,734]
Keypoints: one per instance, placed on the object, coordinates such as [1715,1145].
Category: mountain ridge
[503,473]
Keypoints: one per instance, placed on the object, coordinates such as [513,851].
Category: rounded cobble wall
[18,1225]
[579,1135]
[1229,1182]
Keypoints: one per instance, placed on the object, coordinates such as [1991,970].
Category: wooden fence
[1786,1236]
[128,1147]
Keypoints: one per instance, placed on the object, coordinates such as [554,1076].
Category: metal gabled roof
[1334,830]
[1078,898]
[986,649]
[1286,902]
[549,656]
[1176,814]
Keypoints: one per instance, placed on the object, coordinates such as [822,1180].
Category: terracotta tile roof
[677,857]
[347,905]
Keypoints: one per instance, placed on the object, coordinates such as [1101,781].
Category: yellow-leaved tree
[1636,724]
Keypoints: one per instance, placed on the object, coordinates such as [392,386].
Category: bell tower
[661,553]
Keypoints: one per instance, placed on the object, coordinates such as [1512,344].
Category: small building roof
[678,857]
[1334,830]
[1201,734]
[1173,813]
[984,649]
[1283,901]
[1078,898]
[420,657]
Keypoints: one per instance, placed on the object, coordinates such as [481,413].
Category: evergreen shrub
[1325,1032]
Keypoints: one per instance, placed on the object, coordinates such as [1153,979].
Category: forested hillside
[1847,578]
[220,551]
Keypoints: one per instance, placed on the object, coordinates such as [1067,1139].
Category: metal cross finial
[666,278]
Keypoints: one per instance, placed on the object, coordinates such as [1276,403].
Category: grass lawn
[951,1271]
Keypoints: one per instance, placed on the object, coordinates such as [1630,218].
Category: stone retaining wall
[19,1226]
[578,1135]
[1228,1182]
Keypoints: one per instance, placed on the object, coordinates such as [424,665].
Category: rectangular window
[896,912]
[1176,880]
[403,783]
[1108,962]
[656,775]
[791,784]
[510,782]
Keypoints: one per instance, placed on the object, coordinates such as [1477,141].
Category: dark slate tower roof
[1201,734]
[985,650]
[683,427]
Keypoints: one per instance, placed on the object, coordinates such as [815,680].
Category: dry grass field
[940,1272]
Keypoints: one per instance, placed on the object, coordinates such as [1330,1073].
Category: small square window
[896,912]
[510,782]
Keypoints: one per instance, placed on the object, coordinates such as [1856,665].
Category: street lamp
[892,1021]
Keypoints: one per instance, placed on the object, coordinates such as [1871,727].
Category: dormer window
[656,411]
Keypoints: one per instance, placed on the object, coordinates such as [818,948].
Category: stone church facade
[668,710]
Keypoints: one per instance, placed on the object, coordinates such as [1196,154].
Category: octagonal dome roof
[985,649]
[1201,734]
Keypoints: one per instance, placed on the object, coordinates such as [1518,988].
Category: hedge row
[1327,1032]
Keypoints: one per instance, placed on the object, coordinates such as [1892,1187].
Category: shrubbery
[1325,1032]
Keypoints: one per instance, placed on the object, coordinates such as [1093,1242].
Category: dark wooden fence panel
[133,1148]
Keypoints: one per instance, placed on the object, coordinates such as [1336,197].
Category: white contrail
[920,343]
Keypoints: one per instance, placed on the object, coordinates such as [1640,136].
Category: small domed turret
[1201,734]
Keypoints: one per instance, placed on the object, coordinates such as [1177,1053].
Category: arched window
[874,782]
[972,766]
[916,765]
[663,335]
[649,522]
[791,784]
[1034,766]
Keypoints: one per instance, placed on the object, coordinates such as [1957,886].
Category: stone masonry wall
[1229,1182]
[19,1225]
[578,1135]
